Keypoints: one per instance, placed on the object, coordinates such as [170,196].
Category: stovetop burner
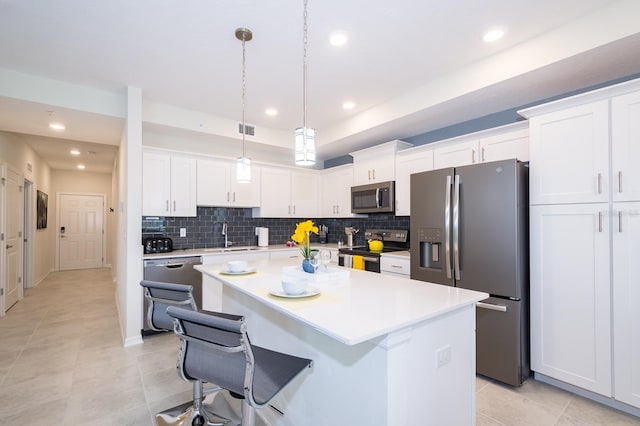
[393,239]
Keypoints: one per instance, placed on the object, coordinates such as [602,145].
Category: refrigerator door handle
[447,228]
[456,227]
[491,306]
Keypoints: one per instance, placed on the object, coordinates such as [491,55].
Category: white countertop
[233,249]
[364,306]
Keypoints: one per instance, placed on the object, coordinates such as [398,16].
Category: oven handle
[365,258]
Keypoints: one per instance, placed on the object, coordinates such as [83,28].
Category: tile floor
[62,363]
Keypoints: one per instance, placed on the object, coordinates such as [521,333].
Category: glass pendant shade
[305,146]
[243,170]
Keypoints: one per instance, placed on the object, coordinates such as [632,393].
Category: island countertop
[352,309]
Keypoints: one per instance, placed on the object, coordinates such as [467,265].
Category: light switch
[183,232]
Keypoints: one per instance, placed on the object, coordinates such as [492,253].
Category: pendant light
[305,148]
[243,164]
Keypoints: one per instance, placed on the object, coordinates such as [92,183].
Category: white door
[13,240]
[625,147]
[81,231]
[570,294]
[626,300]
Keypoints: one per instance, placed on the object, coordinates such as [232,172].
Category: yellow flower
[301,236]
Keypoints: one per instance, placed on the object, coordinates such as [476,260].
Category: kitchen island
[386,350]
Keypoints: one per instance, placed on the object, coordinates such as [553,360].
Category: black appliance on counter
[392,239]
[157,245]
[470,230]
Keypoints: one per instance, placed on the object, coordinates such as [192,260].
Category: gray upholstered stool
[160,296]
[216,348]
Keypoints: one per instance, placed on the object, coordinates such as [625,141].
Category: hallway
[62,363]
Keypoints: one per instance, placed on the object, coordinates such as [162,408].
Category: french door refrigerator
[469,229]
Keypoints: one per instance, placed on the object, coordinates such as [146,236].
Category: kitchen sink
[229,249]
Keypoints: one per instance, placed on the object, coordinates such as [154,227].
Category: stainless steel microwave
[373,198]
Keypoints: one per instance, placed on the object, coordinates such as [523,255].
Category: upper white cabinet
[569,160]
[217,185]
[458,154]
[513,144]
[414,160]
[625,146]
[336,191]
[376,164]
[289,193]
[168,185]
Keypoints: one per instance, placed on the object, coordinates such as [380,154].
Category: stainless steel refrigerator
[469,229]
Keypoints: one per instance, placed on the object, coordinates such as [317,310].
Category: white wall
[15,151]
[82,182]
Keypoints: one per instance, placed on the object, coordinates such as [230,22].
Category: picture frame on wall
[41,209]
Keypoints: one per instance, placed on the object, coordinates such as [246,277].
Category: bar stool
[160,296]
[216,348]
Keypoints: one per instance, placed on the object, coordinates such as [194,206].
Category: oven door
[371,263]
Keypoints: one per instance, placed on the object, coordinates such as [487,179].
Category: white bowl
[294,285]
[237,265]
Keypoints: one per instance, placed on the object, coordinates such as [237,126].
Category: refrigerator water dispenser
[430,248]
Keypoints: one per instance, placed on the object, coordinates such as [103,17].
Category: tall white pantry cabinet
[585,242]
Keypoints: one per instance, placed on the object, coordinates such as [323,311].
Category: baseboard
[609,402]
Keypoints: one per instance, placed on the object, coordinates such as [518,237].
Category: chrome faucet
[227,243]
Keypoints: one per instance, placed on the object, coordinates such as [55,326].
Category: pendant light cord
[304,71]
[244,95]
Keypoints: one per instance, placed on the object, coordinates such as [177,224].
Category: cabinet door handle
[167,206]
[599,221]
[620,221]
[294,209]
[174,205]
[599,183]
[368,174]
[373,173]
[228,197]
[337,209]
[289,210]
[620,181]
[234,196]
[483,154]
[473,156]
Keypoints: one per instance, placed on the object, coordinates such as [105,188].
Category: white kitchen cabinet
[626,302]
[168,185]
[293,253]
[570,294]
[395,265]
[569,155]
[458,154]
[218,186]
[376,164]
[289,193]
[336,191]
[504,146]
[411,161]
[625,146]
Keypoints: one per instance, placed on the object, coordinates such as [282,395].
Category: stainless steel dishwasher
[178,270]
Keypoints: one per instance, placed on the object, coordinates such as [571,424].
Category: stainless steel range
[392,239]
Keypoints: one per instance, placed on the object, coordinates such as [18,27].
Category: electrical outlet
[443,356]
[183,232]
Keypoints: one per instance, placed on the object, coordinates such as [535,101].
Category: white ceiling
[411,66]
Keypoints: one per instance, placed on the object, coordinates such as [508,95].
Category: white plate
[311,291]
[248,271]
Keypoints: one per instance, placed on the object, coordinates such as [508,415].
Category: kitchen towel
[358,263]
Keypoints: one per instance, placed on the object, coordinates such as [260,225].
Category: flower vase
[306,266]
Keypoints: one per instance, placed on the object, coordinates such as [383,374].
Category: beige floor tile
[585,412]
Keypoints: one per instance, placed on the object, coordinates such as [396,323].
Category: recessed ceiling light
[74,152]
[271,112]
[348,105]
[57,126]
[338,38]
[81,166]
[493,35]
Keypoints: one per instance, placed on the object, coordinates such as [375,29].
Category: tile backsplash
[205,230]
